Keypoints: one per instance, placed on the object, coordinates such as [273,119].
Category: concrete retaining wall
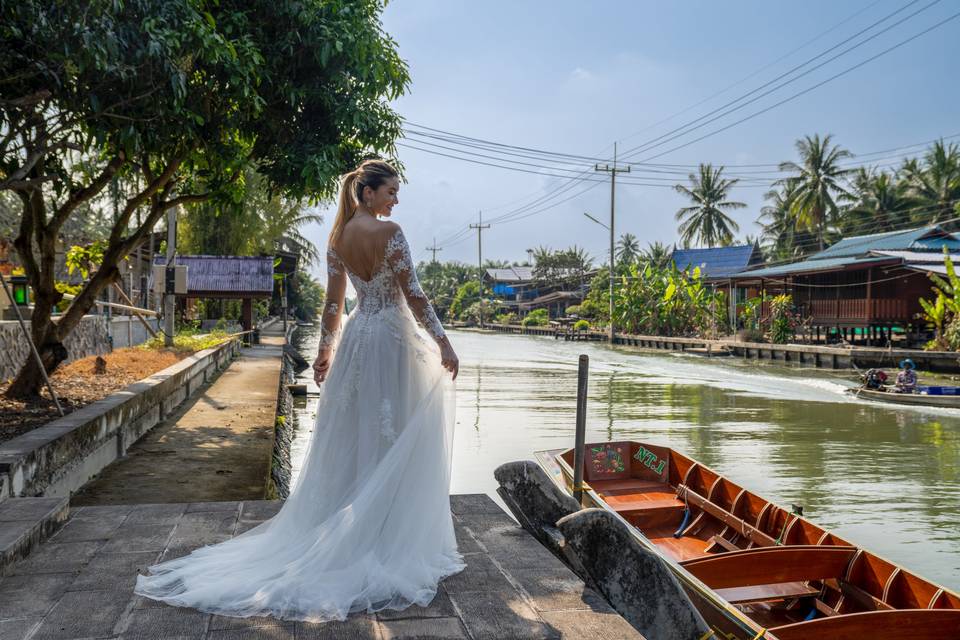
[59,457]
[90,338]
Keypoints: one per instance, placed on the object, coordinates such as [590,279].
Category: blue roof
[860,251]
[717,262]
[924,238]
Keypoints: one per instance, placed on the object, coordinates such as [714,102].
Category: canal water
[882,477]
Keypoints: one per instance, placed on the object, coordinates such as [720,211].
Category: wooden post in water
[581,436]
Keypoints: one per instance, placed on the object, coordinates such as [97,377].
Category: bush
[581,325]
[189,340]
[782,323]
[507,318]
[573,310]
[536,318]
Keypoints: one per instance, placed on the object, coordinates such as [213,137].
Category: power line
[706,119]
[811,88]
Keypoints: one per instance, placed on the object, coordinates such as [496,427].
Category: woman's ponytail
[346,207]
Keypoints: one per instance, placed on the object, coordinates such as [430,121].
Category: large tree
[817,184]
[706,221]
[169,100]
[628,248]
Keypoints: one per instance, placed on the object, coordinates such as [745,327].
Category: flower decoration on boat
[607,459]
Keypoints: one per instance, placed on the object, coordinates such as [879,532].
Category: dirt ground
[78,384]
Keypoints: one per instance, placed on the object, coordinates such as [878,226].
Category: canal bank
[810,355]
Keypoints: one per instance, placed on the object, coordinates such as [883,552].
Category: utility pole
[613,171]
[434,249]
[480,227]
[169,299]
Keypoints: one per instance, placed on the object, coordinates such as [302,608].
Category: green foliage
[706,221]
[944,310]
[66,287]
[441,281]
[581,325]
[568,266]
[467,295]
[664,301]
[782,321]
[189,340]
[506,318]
[573,310]
[84,258]
[536,318]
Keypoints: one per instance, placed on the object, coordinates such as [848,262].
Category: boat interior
[783,572]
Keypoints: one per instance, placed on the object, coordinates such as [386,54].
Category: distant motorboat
[931,396]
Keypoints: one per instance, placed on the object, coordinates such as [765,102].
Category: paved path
[79,583]
[218,446]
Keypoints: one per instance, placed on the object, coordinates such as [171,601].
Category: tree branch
[82,195]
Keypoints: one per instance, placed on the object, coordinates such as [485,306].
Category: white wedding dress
[367,525]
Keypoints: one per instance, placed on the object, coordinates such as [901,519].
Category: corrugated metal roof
[717,262]
[931,238]
[928,268]
[919,256]
[511,274]
[226,274]
[808,266]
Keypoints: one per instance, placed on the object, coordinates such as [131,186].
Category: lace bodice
[392,283]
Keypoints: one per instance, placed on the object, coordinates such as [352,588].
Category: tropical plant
[816,185]
[656,254]
[536,318]
[935,183]
[879,202]
[706,220]
[782,321]
[581,325]
[628,248]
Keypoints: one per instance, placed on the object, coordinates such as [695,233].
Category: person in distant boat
[907,378]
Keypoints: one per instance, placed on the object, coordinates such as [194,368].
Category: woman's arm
[401,263]
[332,312]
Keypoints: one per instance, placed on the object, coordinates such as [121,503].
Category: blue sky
[573,77]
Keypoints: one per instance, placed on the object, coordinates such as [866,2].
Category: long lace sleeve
[401,263]
[333,305]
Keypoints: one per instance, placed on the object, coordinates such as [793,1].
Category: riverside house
[863,288]
[717,266]
[520,292]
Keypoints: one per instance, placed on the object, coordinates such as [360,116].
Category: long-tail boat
[754,569]
[924,396]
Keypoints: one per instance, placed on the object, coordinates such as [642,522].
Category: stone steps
[25,523]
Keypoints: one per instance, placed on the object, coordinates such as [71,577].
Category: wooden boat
[925,396]
[754,569]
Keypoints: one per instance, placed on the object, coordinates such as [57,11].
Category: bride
[367,525]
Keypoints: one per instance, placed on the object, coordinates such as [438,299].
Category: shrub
[507,318]
[573,310]
[782,323]
[536,318]
[189,340]
[581,325]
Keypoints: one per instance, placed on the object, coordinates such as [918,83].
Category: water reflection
[884,477]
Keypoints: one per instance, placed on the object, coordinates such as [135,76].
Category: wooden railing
[856,309]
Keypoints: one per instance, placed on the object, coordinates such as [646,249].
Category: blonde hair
[370,173]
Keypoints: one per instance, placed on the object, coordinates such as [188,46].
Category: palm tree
[780,237]
[936,183]
[706,220]
[817,184]
[628,248]
[656,254]
[880,202]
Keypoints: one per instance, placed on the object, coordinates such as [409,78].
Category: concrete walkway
[79,583]
[218,446]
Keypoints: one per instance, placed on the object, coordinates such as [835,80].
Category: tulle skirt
[367,525]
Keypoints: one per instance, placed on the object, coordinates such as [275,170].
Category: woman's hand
[322,365]
[449,359]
